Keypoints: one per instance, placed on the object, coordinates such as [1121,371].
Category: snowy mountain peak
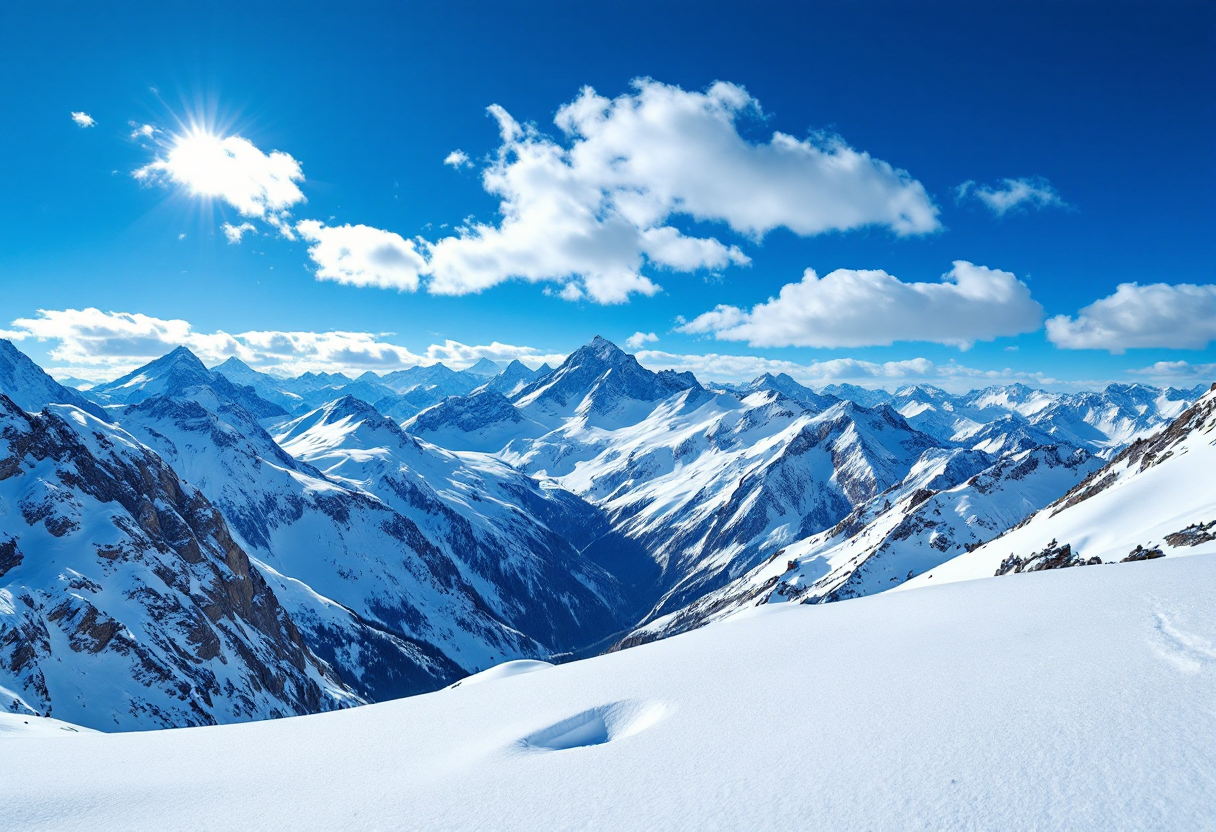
[599,349]
[600,379]
[484,368]
[32,388]
[236,369]
[173,371]
[181,374]
[786,386]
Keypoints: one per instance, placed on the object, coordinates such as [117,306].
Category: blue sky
[665,206]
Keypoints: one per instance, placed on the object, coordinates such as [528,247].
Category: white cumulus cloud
[638,339]
[848,308]
[1012,194]
[593,210]
[83,119]
[1181,316]
[90,336]
[360,255]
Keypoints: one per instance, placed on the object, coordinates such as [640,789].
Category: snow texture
[1078,699]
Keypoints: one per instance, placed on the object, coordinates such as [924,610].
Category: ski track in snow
[1187,651]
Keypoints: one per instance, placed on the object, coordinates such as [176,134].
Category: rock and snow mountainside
[951,501]
[124,601]
[710,485]
[513,517]
[265,385]
[511,380]
[517,543]
[371,593]
[31,388]
[1155,498]
[1078,699]
[703,485]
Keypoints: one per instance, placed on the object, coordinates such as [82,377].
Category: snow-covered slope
[517,543]
[31,388]
[124,601]
[1077,700]
[1154,498]
[482,421]
[267,386]
[950,502]
[786,386]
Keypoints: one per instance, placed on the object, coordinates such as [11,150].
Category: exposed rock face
[1052,557]
[1193,535]
[111,556]
[1141,553]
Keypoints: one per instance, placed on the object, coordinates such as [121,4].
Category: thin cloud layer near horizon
[828,197]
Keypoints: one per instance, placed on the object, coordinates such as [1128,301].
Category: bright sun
[202,161]
[231,169]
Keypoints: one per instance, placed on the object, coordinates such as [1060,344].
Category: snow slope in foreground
[1071,699]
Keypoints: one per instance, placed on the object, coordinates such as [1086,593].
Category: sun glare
[200,160]
[231,169]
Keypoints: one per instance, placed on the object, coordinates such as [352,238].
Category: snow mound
[502,671]
[27,725]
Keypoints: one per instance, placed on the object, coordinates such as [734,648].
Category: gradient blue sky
[1108,105]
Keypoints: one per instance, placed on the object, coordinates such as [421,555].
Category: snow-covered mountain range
[391,534]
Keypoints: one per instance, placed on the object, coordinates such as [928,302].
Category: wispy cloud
[1178,372]
[741,368]
[99,345]
[638,339]
[83,119]
[848,308]
[1012,195]
[234,233]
